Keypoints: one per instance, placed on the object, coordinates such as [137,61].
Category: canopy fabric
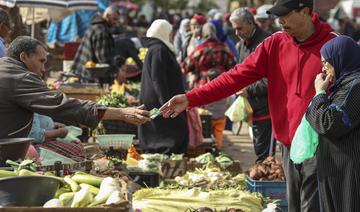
[59,4]
[74,26]
[56,4]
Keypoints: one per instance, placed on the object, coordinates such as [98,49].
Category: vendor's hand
[322,82]
[174,106]
[243,93]
[136,115]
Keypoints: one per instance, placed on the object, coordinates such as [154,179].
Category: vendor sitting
[23,93]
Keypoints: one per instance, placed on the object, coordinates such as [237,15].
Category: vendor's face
[293,23]
[242,29]
[113,18]
[36,62]
[328,69]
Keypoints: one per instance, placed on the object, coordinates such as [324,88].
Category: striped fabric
[338,154]
[73,150]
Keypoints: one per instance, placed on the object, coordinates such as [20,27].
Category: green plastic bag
[304,143]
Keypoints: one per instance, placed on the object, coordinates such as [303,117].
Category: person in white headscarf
[180,37]
[161,79]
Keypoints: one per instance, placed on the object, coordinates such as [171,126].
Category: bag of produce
[304,143]
[240,110]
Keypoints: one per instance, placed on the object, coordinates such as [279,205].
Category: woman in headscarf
[161,80]
[206,62]
[180,37]
[337,120]
[223,38]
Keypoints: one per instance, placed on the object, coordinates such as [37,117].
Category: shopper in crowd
[211,57]
[211,13]
[346,26]
[5,29]
[180,37]
[23,92]
[337,120]
[290,60]
[265,21]
[161,79]
[97,45]
[224,38]
[194,38]
[257,93]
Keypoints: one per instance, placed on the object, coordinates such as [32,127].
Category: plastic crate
[116,141]
[206,125]
[272,189]
[119,127]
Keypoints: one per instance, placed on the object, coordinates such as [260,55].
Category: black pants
[262,138]
[301,183]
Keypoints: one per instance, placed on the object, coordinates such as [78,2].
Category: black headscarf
[343,53]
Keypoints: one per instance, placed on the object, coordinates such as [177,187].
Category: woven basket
[116,141]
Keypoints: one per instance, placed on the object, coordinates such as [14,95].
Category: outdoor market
[179,105]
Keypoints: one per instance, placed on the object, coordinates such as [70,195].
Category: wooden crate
[169,169]
[91,94]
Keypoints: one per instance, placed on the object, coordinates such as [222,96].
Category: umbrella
[57,8]
[126,4]
[72,5]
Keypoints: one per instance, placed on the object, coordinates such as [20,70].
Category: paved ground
[240,147]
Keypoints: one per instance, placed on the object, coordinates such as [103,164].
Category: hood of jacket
[298,72]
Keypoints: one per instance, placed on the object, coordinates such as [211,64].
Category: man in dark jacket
[251,36]
[97,45]
[125,48]
[23,92]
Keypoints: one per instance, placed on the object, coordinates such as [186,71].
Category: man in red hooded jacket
[290,60]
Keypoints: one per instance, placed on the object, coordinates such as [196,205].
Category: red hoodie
[290,68]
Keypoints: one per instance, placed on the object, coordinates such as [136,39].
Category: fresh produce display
[269,169]
[132,89]
[156,199]
[206,209]
[142,54]
[208,179]
[151,162]
[78,190]
[113,100]
[222,160]
[25,164]
[85,190]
